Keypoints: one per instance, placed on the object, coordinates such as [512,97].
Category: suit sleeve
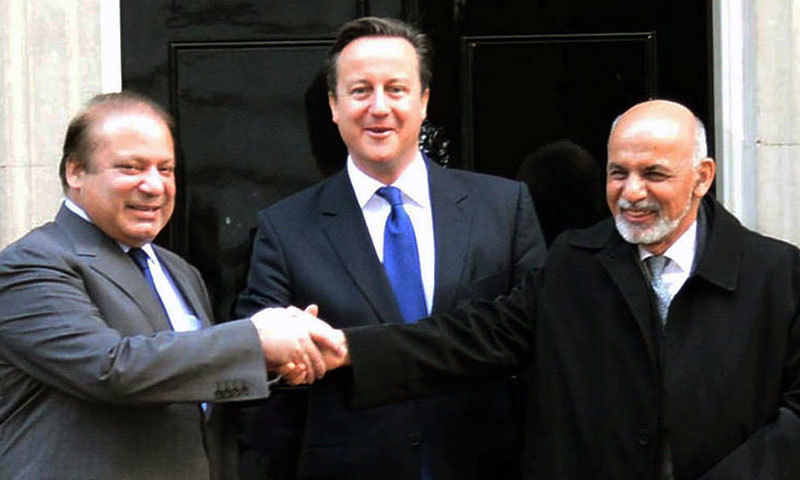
[52,331]
[399,362]
[530,250]
[268,283]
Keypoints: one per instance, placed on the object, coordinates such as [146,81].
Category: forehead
[366,54]
[657,139]
[132,129]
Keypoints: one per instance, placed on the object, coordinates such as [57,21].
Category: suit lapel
[618,258]
[105,256]
[452,220]
[343,224]
[183,282]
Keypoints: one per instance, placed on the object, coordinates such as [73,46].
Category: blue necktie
[401,258]
[140,259]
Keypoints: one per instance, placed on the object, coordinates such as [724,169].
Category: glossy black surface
[243,81]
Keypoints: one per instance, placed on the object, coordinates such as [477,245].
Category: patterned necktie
[655,266]
[140,259]
[401,258]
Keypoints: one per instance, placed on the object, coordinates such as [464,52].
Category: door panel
[559,86]
[239,111]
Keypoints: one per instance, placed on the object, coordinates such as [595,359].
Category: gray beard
[650,234]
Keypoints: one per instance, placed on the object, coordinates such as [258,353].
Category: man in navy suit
[473,236]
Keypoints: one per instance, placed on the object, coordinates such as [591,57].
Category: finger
[317,363]
[306,360]
[312,309]
[291,374]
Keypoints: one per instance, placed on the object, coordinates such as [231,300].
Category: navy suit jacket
[314,247]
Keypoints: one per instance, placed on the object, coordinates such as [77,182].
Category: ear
[74,173]
[424,101]
[705,176]
[332,105]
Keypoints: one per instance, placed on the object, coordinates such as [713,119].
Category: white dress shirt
[681,255]
[413,182]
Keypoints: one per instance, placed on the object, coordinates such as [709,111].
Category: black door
[243,80]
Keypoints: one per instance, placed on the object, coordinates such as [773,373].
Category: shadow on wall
[567,187]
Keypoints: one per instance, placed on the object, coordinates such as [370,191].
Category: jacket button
[644,437]
[413,439]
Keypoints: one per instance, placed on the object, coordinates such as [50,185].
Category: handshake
[298,345]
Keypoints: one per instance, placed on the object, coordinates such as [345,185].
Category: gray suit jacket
[93,382]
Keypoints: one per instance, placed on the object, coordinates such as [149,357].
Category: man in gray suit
[109,367]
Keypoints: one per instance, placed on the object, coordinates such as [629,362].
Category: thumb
[327,337]
[312,309]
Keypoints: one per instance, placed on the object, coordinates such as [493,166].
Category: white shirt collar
[413,182]
[77,210]
[681,252]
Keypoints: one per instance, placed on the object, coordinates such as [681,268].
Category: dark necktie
[140,259]
[401,258]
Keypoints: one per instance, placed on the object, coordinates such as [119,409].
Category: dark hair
[380,27]
[79,142]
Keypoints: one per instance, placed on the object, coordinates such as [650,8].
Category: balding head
[657,172]
[80,140]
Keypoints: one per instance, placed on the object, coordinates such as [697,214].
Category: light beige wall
[757,70]
[50,64]
[777,117]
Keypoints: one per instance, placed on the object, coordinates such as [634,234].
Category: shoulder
[44,244]
[729,239]
[311,198]
[478,182]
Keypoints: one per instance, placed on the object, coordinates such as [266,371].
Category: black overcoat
[721,381]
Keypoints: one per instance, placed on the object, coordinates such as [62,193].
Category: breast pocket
[487,287]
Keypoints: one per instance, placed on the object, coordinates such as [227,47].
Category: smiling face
[653,187]
[379,104]
[128,185]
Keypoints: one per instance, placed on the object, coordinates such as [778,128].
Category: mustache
[643,204]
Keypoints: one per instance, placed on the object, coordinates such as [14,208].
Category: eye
[128,168]
[359,92]
[167,170]
[617,174]
[396,90]
[656,176]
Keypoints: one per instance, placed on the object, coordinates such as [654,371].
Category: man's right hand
[332,357]
[294,338]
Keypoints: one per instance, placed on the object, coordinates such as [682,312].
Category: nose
[152,183]
[380,105]
[634,189]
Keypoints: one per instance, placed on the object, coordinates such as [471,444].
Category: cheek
[613,192]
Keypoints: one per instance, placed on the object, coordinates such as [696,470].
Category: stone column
[777,117]
[757,93]
[50,63]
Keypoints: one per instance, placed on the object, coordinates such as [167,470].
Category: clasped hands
[298,345]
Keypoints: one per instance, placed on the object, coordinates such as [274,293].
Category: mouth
[145,210]
[638,215]
[378,131]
